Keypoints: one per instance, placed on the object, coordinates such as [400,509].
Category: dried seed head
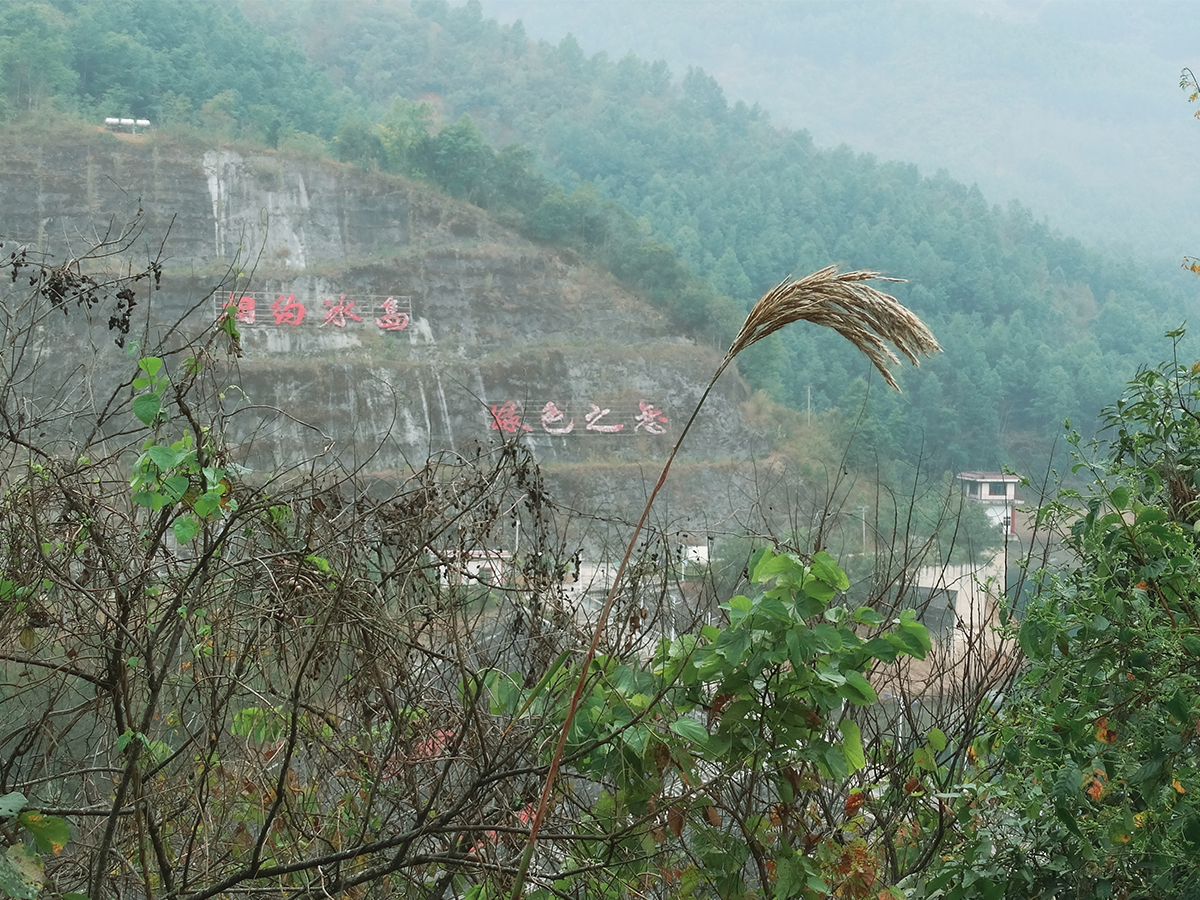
[863,315]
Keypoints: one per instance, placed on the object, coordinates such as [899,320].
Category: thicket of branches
[221,682]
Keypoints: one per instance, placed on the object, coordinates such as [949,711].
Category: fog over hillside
[1072,108]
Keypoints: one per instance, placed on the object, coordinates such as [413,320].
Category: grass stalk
[865,316]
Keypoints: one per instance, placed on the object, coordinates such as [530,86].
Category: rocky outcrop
[382,321]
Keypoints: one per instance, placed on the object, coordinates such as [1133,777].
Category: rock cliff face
[385,321]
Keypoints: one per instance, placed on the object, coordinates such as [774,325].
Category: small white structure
[130,125]
[997,492]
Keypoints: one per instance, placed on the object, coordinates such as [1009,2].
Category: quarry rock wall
[382,322]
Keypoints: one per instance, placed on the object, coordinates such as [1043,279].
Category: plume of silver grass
[865,316]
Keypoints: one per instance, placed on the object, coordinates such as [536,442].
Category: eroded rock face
[426,326]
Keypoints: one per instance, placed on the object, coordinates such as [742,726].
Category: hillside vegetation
[238,661]
[684,196]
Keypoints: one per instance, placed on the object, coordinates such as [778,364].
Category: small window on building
[997,489]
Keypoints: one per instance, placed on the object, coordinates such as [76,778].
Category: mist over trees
[1064,105]
[1043,328]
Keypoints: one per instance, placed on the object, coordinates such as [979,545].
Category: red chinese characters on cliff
[337,312]
[288,312]
[391,313]
[593,421]
[392,319]
[241,308]
[506,417]
[551,417]
[509,417]
[650,418]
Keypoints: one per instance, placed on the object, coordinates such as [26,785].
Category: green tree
[35,56]
[1088,782]
[460,160]
[402,129]
[358,142]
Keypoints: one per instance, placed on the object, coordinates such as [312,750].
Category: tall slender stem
[552,773]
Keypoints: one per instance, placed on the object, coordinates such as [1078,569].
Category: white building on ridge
[997,492]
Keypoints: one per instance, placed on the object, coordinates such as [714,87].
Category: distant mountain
[1073,108]
[381,322]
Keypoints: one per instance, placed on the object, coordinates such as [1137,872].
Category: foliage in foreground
[225,681]
[1088,783]
[218,682]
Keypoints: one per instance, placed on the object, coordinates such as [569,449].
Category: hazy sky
[1072,108]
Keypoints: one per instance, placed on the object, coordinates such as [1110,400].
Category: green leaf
[1120,498]
[857,689]
[773,607]
[150,365]
[828,637]
[801,645]
[819,590]
[771,564]
[865,615]
[852,744]
[1150,769]
[792,875]
[185,528]
[905,643]
[918,636]
[690,729]
[21,874]
[923,759]
[1036,638]
[738,607]
[165,457]
[881,649]
[1067,783]
[635,738]
[826,569]
[755,558]
[205,506]
[1067,817]
[146,408]
[937,739]
[835,759]
[50,832]
[175,487]
[733,645]
[1151,514]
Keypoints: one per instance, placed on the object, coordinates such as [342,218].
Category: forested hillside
[1067,106]
[626,161]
